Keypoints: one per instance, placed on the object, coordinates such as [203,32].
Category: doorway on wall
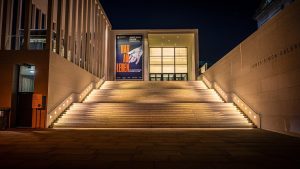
[168,64]
[25,89]
[168,77]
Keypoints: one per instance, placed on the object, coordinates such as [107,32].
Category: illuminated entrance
[168,64]
[154,55]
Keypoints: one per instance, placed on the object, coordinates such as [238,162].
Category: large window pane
[155,60]
[155,52]
[155,69]
[181,60]
[168,60]
[167,52]
[181,52]
[181,69]
[168,68]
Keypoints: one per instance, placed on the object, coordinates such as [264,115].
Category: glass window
[163,60]
[26,78]
[181,69]
[168,60]
[155,69]
[181,52]
[155,60]
[181,60]
[167,52]
[155,52]
[168,68]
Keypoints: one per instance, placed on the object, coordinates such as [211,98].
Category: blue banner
[129,57]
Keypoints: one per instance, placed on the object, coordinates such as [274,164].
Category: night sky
[222,24]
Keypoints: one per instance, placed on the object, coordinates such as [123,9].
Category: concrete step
[153,105]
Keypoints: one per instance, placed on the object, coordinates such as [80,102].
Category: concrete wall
[65,78]
[264,70]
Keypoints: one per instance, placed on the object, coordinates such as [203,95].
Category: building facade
[164,55]
[54,48]
[59,50]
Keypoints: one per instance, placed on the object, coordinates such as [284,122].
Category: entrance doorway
[169,64]
[168,77]
[25,91]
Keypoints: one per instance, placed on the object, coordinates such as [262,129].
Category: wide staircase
[123,104]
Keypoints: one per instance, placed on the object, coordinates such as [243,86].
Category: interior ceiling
[170,40]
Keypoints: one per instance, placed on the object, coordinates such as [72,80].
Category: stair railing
[254,116]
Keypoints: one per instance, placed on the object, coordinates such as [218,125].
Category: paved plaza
[148,149]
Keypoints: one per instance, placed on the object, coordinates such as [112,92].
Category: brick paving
[148,149]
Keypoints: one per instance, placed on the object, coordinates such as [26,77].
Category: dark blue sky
[222,24]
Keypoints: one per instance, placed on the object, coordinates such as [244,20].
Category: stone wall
[264,70]
[65,78]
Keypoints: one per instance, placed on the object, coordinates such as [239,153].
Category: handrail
[254,116]
[221,92]
[206,82]
[72,98]
[248,111]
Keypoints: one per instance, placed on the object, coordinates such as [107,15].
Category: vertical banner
[129,57]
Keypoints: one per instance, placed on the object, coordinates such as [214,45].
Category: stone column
[97,41]
[100,43]
[105,51]
[33,16]
[49,24]
[92,37]
[146,57]
[67,22]
[74,25]
[18,24]
[3,18]
[10,24]
[27,24]
[79,34]
[88,37]
[58,26]
[84,35]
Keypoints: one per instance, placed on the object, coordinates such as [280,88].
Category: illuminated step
[139,104]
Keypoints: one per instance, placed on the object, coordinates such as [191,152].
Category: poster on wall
[129,57]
